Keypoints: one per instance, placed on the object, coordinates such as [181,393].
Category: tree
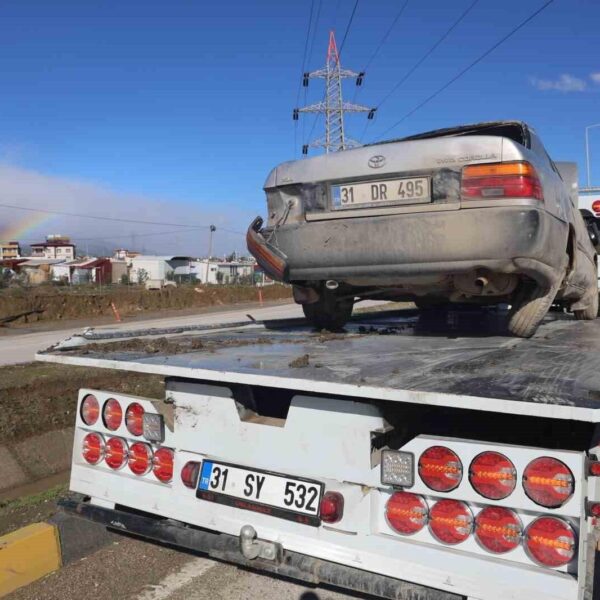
[142,276]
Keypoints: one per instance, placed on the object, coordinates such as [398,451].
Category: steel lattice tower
[332,105]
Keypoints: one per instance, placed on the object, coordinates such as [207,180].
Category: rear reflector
[332,507]
[93,448]
[498,529]
[90,410]
[550,541]
[140,458]
[115,453]
[548,482]
[492,475]
[450,521]
[162,464]
[406,513]
[440,469]
[112,415]
[134,418]
[596,206]
[594,468]
[189,474]
[501,180]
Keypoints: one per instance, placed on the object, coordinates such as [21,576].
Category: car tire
[328,312]
[530,304]
[591,312]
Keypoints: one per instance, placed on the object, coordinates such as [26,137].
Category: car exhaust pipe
[330,284]
[481,282]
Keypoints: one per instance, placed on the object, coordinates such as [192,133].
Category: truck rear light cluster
[450,521]
[548,482]
[492,475]
[550,541]
[116,452]
[331,509]
[501,180]
[162,464]
[406,513]
[140,458]
[90,410]
[112,414]
[498,529]
[134,418]
[440,469]
[93,448]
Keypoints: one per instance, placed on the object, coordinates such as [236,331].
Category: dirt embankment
[47,303]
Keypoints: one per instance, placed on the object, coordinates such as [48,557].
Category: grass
[50,495]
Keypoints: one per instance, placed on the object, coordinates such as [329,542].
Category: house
[155,270]
[123,254]
[88,270]
[222,271]
[55,247]
[9,250]
[38,270]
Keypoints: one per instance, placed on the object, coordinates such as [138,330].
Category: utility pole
[333,106]
[212,229]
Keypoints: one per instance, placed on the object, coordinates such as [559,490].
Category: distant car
[476,213]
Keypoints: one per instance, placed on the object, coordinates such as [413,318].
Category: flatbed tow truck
[414,456]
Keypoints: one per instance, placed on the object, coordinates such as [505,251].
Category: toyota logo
[377,161]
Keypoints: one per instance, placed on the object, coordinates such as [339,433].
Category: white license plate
[269,493]
[408,190]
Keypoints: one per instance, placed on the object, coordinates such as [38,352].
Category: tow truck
[411,456]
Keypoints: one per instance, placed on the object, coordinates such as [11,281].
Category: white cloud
[565,83]
[595,77]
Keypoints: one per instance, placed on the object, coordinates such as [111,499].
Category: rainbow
[17,229]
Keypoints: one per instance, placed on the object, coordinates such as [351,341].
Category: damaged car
[471,214]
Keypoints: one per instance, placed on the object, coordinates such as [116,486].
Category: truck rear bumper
[227,548]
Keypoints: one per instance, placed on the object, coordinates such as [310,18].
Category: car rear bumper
[516,239]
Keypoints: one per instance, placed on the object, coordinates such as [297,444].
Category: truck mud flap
[227,548]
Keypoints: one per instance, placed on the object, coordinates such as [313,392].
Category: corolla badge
[377,161]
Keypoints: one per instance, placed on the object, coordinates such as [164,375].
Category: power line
[312,6]
[348,27]
[468,68]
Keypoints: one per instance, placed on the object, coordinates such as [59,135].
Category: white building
[155,270]
[57,247]
[215,272]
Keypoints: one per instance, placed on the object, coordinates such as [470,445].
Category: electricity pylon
[332,105]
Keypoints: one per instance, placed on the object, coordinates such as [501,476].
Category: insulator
[295,114]
[305,80]
[371,114]
[360,77]
[305,149]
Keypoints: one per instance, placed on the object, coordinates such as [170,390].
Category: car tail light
[93,448]
[550,541]
[548,482]
[162,464]
[498,529]
[90,410]
[140,458]
[406,513]
[115,453]
[189,474]
[501,180]
[492,475]
[596,206]
[450,521]
[112,414]
[134,416]
[332,507]
[440,469]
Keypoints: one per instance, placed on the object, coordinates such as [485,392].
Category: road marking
[175,581]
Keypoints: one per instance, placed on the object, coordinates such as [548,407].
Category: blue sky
[177,110]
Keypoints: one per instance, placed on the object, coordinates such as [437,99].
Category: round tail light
[115,453]
[450,521]
[492,475]
[162,464]
[332,507]
[440,469]
[550,541]
[90,410]
[406,513]
[189,474]
[498,529]
[140,458]
[134,416]
[112,414]
[93,448]
[596,206]
[548,482]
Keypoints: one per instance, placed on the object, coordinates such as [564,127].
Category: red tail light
[93,448]
[115,453]
[332,507]
[550,541]
[162,464]
[112,414]
[594,468]
[498,529]
[501,180]
[406,513]
[440,469]
[596,206]
[140,458]
[450,521]
[492,475]
[189,474]
[134,418]
[548,482]
[90,410]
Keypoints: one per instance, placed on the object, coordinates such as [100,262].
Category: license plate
[269,493]
[408,190]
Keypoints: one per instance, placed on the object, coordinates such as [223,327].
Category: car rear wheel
[530,304]
[591,312]
[329,312]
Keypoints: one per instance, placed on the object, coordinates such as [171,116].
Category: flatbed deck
[461,359]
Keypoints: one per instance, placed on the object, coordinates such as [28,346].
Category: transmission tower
[332,105]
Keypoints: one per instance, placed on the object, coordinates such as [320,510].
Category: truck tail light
[115,453]
[112,414]
[596,206]
[550,541]
[548,482]
[162,464]
[134,416]
[498,529]
[450,521]
[406,513]
[140,458]
[332,507]
[189,474]
[594,468]
[90,410]
[93,448]
[440,469]
[501,180]
[492,475]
